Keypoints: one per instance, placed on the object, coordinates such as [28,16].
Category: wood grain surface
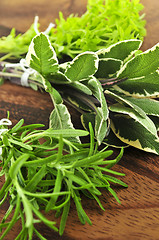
[137,217]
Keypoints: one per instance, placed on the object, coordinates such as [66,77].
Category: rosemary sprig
[49,175]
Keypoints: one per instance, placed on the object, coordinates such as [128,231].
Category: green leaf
[155,121]
[41,56]
[64,217]
[102,112]
[59,78]
[114,141]
[36,179]
[65,132]
[108,67]
[56,97]
[126,101]
[135,134]
[81,87]
[145,86]
[60,118]
[17,126]
[141,65]
[14,169]
[18,143]
[97,90]
[149,106]
[57,188]
[82,67]
[100,128]
[120,50]
[145,122]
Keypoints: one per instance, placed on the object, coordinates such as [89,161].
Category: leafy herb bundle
[103,23]
[116,89]
[46,176]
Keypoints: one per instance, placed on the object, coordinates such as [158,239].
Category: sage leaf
[100,128]
[145,122]
[145,86]
[60,118]
[97,91]
[108,67]
[41,56]
[120,50]
[126,101]
[135,134]
[141,65]
[149,106]
[114,141]
[82,67]
[81,87]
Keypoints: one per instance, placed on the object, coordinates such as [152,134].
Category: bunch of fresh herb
[46,176]
[103,23]
[116,89]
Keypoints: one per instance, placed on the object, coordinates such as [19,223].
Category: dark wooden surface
[137,217]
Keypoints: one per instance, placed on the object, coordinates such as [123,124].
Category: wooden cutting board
[137,217]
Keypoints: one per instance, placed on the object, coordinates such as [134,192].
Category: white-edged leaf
[82,67]
[133,133]
[81,87]
[55,96]
[41,56]
[122,99]
[120,50]
[60,118]
[102,113]
[108,67]
[58,78]
[113,141]
[86,118]
[145,122]
[98,123]
[78,104]
[145,86]
[141,65]
[149,106]
[100,127]
[97,90]
[155,121]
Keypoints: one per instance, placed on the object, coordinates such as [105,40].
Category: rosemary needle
[39,178]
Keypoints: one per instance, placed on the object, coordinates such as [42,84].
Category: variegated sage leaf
[108,67]
[60,119]
[82,67]
[145,122]
[113,141]
[149,106]
[135,134]
[120,50]
[97,91]
[41,56]
[145,86]
[126,101]
[100,127]
[81,87]
[141,65]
